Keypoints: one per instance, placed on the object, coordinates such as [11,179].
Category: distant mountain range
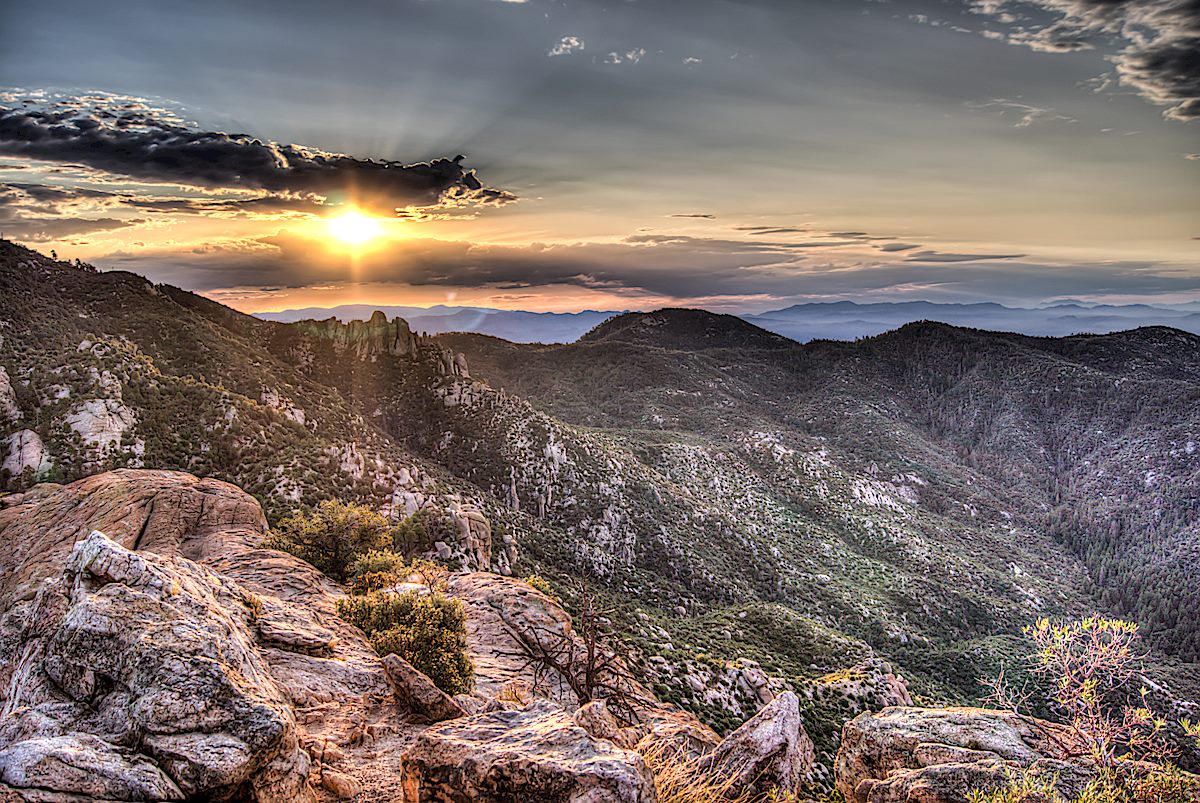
[839,320]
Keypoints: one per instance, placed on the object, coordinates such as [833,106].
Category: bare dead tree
[1004,694]
[587,660]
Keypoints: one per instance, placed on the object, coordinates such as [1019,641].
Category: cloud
[45,213]
[1158,40]
[661,266]
[703,215]
[772,229]
[889,248]
[628,57]
[1027,114]
[127,137]
[938,256]
[567,45]
[263,205]
[44,230]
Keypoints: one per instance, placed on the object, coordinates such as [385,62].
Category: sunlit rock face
[365,339]
[535,753]
[133,650]
[771,751]
[101,423]
[175,659]
[24,451]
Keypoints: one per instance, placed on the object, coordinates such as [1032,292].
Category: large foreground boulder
[770,752]
[904,754]
[138,678]
[535,753]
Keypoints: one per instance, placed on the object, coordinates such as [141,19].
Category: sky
[739,155]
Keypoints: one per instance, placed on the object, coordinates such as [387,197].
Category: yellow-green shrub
[427,630]
[332,536]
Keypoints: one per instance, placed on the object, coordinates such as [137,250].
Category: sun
[353,227]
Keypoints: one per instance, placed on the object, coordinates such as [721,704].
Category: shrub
[1091,663]
[427,630]
[679,778]
[377,570]
[1168,785]
[1025,788]
[378,561]
[332,536]
[542,584]
[420,531]
[369,582]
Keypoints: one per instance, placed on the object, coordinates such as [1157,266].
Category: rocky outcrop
[24,451]
[221,664]
[149,655]
[83,765]
[424,701]
[10,411]
[938,755]
[366,339]
[869,685]
[771,751]
[472,549]
[595,718]
[453,364]
[169,656]
[493,603]
[101,423]
[535,753]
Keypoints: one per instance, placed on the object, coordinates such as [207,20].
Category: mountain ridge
[830,320]
[916,497]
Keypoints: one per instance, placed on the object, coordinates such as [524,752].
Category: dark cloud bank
[126,137]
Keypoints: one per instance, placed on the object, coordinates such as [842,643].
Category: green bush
[420,531]
[377,570]
[541,584]
[333,536]
[429,631]
[379,561]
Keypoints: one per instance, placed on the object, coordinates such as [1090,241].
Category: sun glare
[353,227]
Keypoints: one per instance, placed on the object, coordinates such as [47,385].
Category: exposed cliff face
[25,455]
[364,339]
